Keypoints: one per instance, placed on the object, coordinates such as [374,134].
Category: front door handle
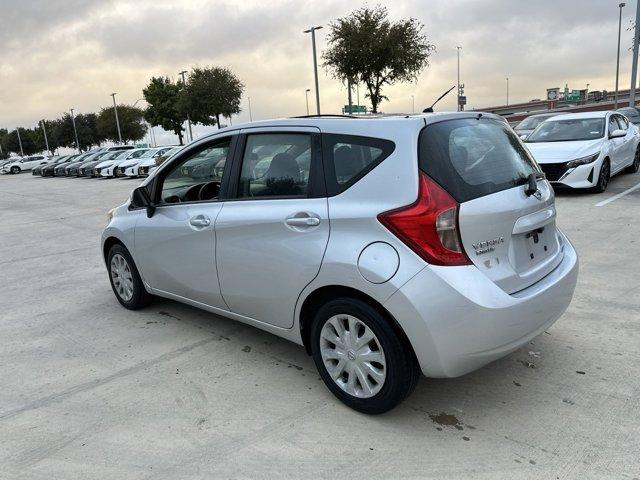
[303,221]
[200,221]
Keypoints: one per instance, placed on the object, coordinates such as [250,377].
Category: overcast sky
[58,54]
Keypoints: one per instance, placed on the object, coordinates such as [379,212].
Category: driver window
[613,124]
[198,176]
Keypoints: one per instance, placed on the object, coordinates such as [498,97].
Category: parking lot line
[616,197]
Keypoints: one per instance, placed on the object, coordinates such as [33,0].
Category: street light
[634,62]
[312,30]
[507,91]
[250,115]
[459,48]
[44,130]
[184,84]
[115,110]
[620,6]
[306,97]
[19,141]
[413,104]
[75,131]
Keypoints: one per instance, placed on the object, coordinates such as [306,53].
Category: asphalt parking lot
[93,391]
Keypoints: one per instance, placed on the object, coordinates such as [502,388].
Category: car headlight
[583,161]
[110,215]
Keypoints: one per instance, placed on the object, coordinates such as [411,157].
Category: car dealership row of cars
[103,162]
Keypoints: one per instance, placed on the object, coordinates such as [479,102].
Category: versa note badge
[487,246]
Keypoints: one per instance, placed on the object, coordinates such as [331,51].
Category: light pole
[115,110]
[620,6]
[250,115]
[312,30]
[413,104]
[507,91]
[634,63]
[306,97]
[46,140]
[184,84]
[19,141]
[75,131]
[459,48]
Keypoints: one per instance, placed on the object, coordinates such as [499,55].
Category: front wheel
[603,178]
[360,357]
[635,166]
[125,279]
[15,170]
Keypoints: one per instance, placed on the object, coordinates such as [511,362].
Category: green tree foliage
[86,124]
[210,93]
[26,137]
[162,97]
[131,120]
[367,47]
[4,152]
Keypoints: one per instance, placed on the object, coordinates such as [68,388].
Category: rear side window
[471,158]
[348,158]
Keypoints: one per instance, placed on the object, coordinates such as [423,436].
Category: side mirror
[140,198]
[618,133]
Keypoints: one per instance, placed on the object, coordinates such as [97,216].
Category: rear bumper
[458,320]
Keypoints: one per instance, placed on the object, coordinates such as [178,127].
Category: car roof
[582,115]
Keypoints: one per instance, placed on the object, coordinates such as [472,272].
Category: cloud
[75,53]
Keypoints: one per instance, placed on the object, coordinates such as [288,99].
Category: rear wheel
[603,178]
[360,358]
[635,166]
[125,279]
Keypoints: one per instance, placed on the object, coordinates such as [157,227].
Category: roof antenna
[430,109]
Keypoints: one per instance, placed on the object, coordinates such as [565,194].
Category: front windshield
[530,123]
[568,130]
[112,155]
[148,153]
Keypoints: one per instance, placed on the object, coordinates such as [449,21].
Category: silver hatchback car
[386,246]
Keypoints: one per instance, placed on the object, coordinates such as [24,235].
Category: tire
[15,170]
[603,177]
[391,373]
[129,290]
[635,166]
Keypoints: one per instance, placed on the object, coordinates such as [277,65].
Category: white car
[124,157]
[149,155]
[584,150]
[142,169]
[24,164]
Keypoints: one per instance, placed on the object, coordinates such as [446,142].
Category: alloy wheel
[353,356]
[121,277]
[604,176]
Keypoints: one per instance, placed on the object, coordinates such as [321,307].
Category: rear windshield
[568,130]
[471,157]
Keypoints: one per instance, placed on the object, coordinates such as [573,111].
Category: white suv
[24,164]
[386,246]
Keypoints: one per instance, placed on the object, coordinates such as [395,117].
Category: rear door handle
[303,221]
[200,221]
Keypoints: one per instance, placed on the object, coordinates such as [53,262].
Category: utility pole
[620,6]
[312,30]
[634,67]
[75,131]
[459,48]
[46,140]
[306,97]
[184,85]
[413,104]
[115,110]
[250,115]
[20,142]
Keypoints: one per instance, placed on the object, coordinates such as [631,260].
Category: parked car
[584,150]
[130,157]
[71,169]
[130,169]
[444,253]
[51,160]
[631,113]
[24,164]
[107,161]
[159,160]
[86,168]
[529,124]
[142,168]
[49,169]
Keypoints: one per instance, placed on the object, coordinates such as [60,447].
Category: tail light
[429,226]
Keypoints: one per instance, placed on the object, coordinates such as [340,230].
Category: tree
[367,47]
[210,93]
[162,96]
[4,152]
[131,121]
[64,136]
[26,138]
